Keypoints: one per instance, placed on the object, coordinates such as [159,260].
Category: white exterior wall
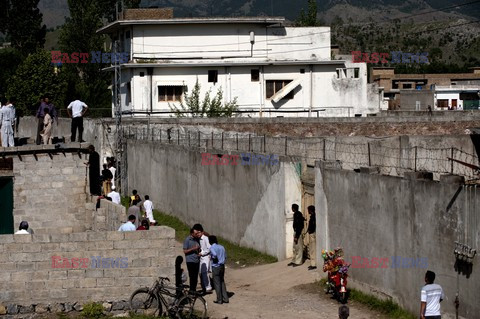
[331,96]
[217,41]
[448,96]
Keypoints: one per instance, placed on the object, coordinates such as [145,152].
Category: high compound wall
[248,205]
[376,216]
[48,268]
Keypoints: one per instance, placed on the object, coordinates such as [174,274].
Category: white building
[271,70]
[457,97]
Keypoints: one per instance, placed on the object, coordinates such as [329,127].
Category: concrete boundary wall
[27,276]
[375,216]
[247,205]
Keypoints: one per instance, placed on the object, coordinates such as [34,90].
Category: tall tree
[79,35]
[24,25]
[308,19]
[34,78]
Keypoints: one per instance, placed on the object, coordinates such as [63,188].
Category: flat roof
[222,63]
[114,26]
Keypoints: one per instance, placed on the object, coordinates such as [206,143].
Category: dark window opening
[356,73]
[255,75]
[407,85]
[302,71]
[273,86]
[213,76]
[170,93]
[142,74]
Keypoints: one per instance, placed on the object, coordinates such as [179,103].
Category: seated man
[129,226]
[23,228]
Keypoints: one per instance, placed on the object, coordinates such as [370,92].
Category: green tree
[78,34]
[34,78]
[308,19]
[24,25]
[208,107]
[10,59]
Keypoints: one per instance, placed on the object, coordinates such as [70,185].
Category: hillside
[449,35]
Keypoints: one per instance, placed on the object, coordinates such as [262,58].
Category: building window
[129,94]
[407,85]
[302,71]
[273,86]
[127,34]
[255,75]
[213,76]
[394,85]
[142,74]
[442,103]
[356,73]
[170,93]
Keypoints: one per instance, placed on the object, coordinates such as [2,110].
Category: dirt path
[278,291]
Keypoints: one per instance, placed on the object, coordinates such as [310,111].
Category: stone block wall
[27,276]
[50,191]
[108,217]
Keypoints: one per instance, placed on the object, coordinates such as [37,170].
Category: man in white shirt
[128,226]
[112,170]
[23,229]
[148,207]
[430,297]
[7,122]
[115,196]
[205,263]
[76,110]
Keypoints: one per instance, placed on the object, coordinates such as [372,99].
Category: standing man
[106,179]
[219,256]
[205,263]
[115,196]
[430,298]
[7,121]
[45,104]
[148,208]
[312,243]
[94,171]
[191,249]
[298,222]
[76,110]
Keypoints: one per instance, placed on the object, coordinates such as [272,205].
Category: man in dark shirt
[94,171]
[298,221]
[312,243]
[44,104]
[107,180]
[191,249]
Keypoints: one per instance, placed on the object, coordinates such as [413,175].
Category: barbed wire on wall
[389,159]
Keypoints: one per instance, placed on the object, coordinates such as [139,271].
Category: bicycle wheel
[192,308]
[145,303]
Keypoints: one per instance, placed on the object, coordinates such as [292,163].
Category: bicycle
[183,304]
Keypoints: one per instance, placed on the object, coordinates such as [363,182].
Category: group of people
[7,122]
[205,255]
[46,115]
[298,237]
[140,213]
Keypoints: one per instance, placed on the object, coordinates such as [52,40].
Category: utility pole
[120,157]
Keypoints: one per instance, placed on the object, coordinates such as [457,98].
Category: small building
[270,69]
[417,91]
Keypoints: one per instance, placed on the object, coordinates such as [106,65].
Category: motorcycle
[337,284]
[337,274]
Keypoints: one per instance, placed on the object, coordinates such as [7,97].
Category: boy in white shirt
[430,297]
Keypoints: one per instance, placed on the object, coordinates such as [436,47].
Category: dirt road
[278,291]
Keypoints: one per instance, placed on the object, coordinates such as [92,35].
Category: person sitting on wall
[23,228]
[128,226]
